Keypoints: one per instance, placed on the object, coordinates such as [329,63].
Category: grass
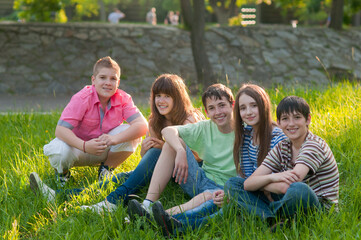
[336,117]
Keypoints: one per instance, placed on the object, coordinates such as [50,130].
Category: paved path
[43,103]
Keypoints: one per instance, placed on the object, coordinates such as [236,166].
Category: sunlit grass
[336,117]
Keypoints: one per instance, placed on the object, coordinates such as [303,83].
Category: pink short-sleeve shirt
[85,117]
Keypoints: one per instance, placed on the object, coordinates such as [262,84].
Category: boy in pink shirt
[91,130]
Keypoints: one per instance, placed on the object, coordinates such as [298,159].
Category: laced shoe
[62,178]
[101,207]
[168,224]
[104,172]
[136,209]
[39,187]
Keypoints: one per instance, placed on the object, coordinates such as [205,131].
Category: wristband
[84,147]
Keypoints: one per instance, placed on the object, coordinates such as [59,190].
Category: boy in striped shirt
[299,173]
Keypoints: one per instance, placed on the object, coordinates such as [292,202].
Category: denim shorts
[197,181]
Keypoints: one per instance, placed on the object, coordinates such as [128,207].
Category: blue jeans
[117,179]
[141,175]
[197,181]
[134,180]
[299,196]
[198,216]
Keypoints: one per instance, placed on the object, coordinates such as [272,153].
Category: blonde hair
[105,62]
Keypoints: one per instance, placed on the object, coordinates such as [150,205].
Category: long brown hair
[173,86]
[264,133]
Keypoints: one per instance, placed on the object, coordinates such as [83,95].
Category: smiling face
[220,111]
[164,104]
[248,110]
[294,125]
[106,83]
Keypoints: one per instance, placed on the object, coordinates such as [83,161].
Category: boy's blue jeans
[198,216]
[299,197]
[135,180]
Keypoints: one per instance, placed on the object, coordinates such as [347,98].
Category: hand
[181,167]
[287,177]
[95,146]
[218,197]
[108,139]
[157,143]
[147,144]
[268,195]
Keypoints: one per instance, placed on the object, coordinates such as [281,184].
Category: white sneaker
[101,206]
[38,186]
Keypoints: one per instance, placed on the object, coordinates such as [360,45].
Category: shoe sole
[160,218]
[34,183]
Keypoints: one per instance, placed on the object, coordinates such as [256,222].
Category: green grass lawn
[336,116]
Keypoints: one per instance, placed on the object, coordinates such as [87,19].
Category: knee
[234,183]
[303,192]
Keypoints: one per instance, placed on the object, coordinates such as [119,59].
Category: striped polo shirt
[249,152]
[323,177]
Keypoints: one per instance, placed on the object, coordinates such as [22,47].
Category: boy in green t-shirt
[211,139]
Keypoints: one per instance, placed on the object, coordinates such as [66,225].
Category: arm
[171,136]
[263,176]
[138,128]
[93,146]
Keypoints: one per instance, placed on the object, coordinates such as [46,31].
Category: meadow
[336,117]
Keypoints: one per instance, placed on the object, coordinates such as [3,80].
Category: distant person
[175,18]
[151,17]
[168,19]
[90,130]
[115,16]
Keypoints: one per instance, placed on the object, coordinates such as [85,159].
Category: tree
[336,14]
[224,9]
[194,19]
[38,10]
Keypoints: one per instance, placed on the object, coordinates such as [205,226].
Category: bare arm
[171,136]
[93,146]
[278,183]
[138,128]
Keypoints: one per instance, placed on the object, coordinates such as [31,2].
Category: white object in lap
[62,156]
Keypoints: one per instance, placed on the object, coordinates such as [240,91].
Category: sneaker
[38,186]
[168,224]
[136,209]
[62,178]
[101,206]
[104,172]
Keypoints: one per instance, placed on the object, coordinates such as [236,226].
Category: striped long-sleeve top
[249,151]
[323,177]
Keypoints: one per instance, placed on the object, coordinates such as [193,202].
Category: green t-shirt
[213,147]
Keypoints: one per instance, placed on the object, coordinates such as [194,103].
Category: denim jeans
[198,216]
[141,175]
[299,196]
[132,181]
[197,181]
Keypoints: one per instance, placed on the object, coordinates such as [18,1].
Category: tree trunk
[336,14]
[102,14]
[187,13]
[204,70]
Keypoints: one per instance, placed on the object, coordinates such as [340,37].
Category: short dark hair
[293,104]
[217,91]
